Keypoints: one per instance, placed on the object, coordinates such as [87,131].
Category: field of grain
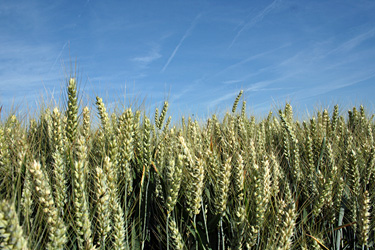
[140,182]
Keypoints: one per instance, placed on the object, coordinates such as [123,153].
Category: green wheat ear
[103,116]
[102,204]
[162,115]
[59,165]
[56,226]
[11,233]
[235,104]
[82,223]
[86,123]
[72,112]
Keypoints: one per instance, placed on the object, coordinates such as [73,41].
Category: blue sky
[196,54]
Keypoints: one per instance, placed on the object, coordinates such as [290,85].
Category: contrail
[187,33]
[354,42]
[57,58]
[256,19]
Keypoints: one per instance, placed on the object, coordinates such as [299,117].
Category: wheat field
[140,182]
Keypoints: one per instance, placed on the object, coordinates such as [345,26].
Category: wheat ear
[236,101]
[56,226]
[118,223]
[177,240]
[162,115]
[86,123]
[72,121]
[102,204]
[82,222]
[364,218]
[11,233]
[126,149]
[59,163]
[195,181]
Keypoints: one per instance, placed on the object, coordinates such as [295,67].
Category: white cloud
[232,81]
[149,58]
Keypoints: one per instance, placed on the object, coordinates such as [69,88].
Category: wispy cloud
[259,17]
[259,86]
[250,58]
[319,89]
[354,42]
[29,72]
[193,87]
[152,56]
[187,33]
[276,83]
[299,94]
[176,96]
[225,97]
[233,81]
[246,77]
[149,58]
[346,82]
